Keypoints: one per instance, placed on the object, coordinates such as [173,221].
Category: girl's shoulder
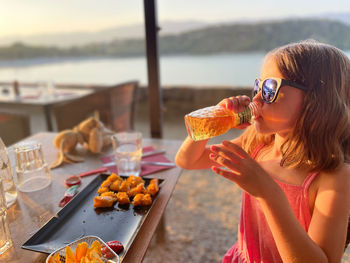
[338,179]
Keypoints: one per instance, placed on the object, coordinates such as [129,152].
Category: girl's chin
[260,128]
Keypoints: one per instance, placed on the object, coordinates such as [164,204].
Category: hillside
[215,39]
[257,37]
[80,38]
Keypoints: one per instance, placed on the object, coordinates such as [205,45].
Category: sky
[30,17]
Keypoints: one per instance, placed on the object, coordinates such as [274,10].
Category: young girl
[293,162]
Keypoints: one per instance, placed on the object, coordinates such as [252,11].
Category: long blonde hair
[321,136]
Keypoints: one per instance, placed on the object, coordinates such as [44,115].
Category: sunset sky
[27,17]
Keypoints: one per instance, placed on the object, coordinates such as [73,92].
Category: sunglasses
[270,87]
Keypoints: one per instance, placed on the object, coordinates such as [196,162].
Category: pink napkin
[145,169]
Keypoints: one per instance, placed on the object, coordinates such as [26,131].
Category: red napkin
[145,169]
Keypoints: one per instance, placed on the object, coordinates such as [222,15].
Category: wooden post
[16,89]
[154,90]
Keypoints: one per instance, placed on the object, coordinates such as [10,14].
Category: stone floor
[202,215]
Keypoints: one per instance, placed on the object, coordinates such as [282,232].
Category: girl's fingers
[236,149]
[235,104]
[229,104]
[222,161]
[225,153]
[223,103]
[244,100]
[226,103]
[231,175]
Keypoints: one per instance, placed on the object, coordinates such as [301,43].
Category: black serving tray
[79,218]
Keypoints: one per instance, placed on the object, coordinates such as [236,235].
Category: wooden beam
[154,88]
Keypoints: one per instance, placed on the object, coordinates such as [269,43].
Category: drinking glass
[51,88]
[46,90]
[32,171]
[5,237]
[128,152]
[6,176]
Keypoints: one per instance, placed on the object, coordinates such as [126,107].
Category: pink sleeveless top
[255,241]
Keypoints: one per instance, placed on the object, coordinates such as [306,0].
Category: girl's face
[280,116]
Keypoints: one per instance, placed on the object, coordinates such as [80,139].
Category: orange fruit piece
[70,258]
[95,246]
[95,257]
[55,258]
[80,251]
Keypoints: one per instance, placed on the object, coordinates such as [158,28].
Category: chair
[13,128]
[114,104]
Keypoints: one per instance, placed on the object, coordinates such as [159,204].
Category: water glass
[128,152]
[5,237]
[6,176]
[46,90]
[33,173]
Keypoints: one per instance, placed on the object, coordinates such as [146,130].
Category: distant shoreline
[28,62]
[53,60]
[219,70]
[41,61]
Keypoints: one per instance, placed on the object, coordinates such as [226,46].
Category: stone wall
[178,100]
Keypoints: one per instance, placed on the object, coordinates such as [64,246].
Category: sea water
[228,69]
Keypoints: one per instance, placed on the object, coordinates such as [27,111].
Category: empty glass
[128,152]
[32,171]
[5,237]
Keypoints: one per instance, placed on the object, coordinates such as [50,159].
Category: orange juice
[213,121]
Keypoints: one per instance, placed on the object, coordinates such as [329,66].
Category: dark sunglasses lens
[269,88]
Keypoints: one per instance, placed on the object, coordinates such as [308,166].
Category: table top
[33,210]
[30,96]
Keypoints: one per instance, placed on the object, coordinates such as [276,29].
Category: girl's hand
[236,104]
[243,170]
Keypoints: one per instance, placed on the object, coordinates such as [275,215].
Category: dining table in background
[33,210]
[37,105]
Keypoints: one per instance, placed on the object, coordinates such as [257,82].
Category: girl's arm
[328,227]
[325,239]
[326,236]
[195,154]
